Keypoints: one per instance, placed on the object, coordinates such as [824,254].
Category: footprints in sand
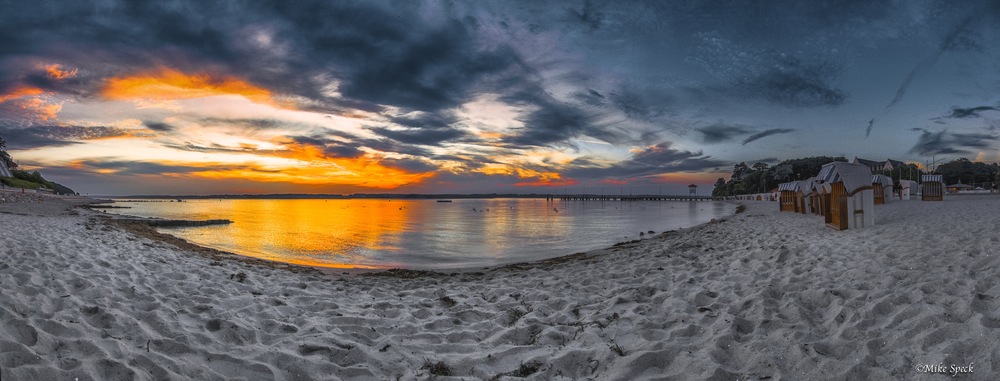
[733,304]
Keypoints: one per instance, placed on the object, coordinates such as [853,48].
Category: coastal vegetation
[25,179]
[759,177]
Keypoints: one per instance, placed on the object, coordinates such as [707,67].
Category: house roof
[867,162]
[960,185]
[854,176]
[896,163]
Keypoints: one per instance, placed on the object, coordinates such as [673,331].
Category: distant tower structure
[692,189]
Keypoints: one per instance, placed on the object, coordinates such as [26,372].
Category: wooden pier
[633,198]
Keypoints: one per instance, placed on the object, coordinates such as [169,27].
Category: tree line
[761,178]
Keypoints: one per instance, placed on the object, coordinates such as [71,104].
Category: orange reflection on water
[322,233]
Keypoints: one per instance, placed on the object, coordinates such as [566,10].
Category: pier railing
[634,198]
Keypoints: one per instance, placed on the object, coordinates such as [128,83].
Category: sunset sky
[202,97]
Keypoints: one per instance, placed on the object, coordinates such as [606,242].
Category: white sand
[762,294]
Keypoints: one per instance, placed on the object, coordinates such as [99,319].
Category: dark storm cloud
[409,165]
[959,38]
[330,147]
[971,112]
[423,129]
[158,126]
[219,148]
[247,123]
[719,133]
[377,56]
[137,167]
[766,133]
[657,159]
[43,136]
[421,136]
[794,83]
[588,15]
[944,142]
[553,122]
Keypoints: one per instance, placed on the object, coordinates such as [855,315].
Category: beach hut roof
[907,184]
[882,179]
[854,176]
[932,178]
[792,186]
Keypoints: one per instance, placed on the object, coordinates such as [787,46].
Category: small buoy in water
[641,234]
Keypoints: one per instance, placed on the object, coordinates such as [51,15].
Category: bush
[18,183]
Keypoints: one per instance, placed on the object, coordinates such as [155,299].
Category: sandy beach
[761,295]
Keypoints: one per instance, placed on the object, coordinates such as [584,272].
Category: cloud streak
[947,143]
[766,133]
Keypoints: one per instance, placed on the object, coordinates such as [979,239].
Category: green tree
[4,155]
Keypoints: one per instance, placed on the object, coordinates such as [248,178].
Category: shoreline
[758,294]
[130,223]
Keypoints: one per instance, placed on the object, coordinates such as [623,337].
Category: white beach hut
[852,202]
[814,196]
[907,188]
[932,188]
[881,188]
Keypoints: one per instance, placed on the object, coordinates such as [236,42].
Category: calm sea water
[421,234]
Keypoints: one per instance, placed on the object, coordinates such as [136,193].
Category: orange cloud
[20,92]
[542,179]
[56,71]
[169,84]
[362,172]
[40,108]
[618,181]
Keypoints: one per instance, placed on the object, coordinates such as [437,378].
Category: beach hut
[907,188]
[932,188]
[802,196]
[4,171]
[852,201]
[881,188]
[787,194]
[813,196]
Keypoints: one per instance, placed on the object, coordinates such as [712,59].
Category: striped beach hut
[907,188]
[881,188]
[932,188]
[802,196]
[852,202]
[815,196]
[787,194]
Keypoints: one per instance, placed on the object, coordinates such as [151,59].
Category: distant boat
[444,200]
